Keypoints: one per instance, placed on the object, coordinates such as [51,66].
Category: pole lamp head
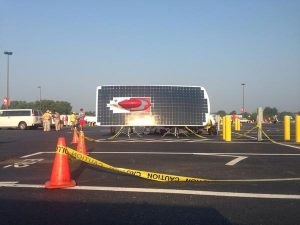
[7,53]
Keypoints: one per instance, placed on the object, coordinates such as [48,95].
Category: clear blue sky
[71,47]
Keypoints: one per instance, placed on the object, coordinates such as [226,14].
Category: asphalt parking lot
[260,180]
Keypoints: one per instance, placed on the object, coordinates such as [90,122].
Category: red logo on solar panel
[130,104]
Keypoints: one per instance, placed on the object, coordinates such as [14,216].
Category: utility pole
[7,84]
[40,87]
[243,85]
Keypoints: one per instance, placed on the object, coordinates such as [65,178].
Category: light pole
[243,85]
[7,93]
[40,87]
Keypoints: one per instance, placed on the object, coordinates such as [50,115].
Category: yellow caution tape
[193,132]
[247,132]
[110,138]
[264,133]
[116,135]
[89,138]
[161,177]
[139,173]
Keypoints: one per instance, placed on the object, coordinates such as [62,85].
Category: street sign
[6,101]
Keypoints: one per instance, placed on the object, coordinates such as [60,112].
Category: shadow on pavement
[41,212]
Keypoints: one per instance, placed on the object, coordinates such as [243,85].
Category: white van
[20,118]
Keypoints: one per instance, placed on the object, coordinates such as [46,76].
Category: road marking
[24,163]
[291,146]
[238,156]
[230,163]
[234,161]
[34,154]
[7,166]
[14,184]
[189,192]
[245,135]
[7,183]
[203,153]
[190,153]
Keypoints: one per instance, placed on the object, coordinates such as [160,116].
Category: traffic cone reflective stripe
[75,136]
[81,147]
[60,175]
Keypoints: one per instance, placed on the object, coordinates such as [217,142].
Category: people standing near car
[56,118]
[65,120]
[73,120]
[81,119]
[46,120]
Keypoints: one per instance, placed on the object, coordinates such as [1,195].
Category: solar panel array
[170,105]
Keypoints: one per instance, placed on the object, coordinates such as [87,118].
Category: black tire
[213,131]
[22,126]
[200,131]
[34,127]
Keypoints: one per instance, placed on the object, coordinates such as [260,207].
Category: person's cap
[47,111]
[74,112]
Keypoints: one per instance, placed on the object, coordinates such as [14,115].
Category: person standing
[65,120]
[81,119]
[46,120]
[57,121]
[73,120]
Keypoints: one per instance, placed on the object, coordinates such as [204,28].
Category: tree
[282,114]
[90,113]
[246,115]
[253,116]
[221,113]
[270,112]
[62,107]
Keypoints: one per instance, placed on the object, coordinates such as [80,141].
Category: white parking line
[185,153]
[238,156]
[161,191]
[235,161]
[34,154]
[202,153]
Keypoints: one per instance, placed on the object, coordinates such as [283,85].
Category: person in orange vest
[46,120]
[233,117]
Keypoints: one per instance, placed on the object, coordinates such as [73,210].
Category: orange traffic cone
[81,147]
[60,176]
[75,136]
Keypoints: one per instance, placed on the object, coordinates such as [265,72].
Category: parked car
[20,118]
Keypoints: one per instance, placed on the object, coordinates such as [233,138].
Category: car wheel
[22,125]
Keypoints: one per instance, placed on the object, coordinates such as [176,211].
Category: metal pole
[40,87]
[297,127]
[7,84]
[243,84]
[287,128]
[228,128]
[224,127]
[259,123]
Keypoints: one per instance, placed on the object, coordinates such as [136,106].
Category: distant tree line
[62,107]
[269,112]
